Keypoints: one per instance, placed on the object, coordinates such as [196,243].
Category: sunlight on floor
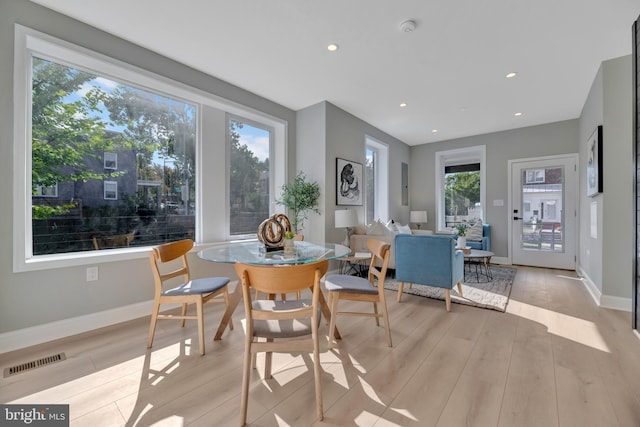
[569,327]
[369,391]
[366,419]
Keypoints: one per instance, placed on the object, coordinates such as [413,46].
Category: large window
[376,180]
[249,180]
[459,186]
[80,122]
[113,150]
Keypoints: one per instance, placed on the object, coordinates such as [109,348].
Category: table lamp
[418,217]
[346,218]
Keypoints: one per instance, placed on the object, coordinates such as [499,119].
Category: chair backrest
[428,260]
[167,253]
[277,279]
[113,241]
[380,253]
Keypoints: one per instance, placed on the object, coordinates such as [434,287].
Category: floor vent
[24,367]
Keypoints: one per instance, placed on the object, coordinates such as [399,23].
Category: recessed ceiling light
[518,114]
[333,47]
[403,104]
[511,75]
[434,130]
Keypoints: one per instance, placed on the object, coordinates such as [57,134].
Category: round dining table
[255,253]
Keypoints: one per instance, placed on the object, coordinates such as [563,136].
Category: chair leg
[317,374]
[333,302]
[400,288]
[460,288]
[199,308]
[226,304]
[375,313]
[184,313]
[447,298]
[246,369]
[152,326]
[268,358]
[385,316]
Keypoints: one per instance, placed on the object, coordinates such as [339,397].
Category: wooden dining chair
[354,288]
[173,257]
[288,325]
[296,238]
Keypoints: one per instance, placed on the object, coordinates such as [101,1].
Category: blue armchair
[485,243]
[429,260]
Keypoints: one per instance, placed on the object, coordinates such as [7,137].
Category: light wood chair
[113,241]
[287,326]
[191,291]
[296,238]
[354,288]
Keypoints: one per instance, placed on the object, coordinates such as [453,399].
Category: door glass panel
[542,209]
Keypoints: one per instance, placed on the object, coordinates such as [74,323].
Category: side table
[481,261]
[356,264]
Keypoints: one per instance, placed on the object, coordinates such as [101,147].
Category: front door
[543,212]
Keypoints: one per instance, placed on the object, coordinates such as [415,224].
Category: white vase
[462,242]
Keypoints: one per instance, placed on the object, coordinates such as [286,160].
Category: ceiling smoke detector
[408,26]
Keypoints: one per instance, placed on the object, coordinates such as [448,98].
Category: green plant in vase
[462,230]
[299,197]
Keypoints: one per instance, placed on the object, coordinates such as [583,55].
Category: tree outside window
[82,123]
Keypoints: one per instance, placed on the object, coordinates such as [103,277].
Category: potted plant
[288,242]
[461,231]
[299,197]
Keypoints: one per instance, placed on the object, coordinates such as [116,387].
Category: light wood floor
[554,359]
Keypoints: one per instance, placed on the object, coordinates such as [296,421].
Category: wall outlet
[92,274]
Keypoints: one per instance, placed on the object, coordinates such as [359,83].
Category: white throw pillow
[377,229]
[404,229]
[475,232]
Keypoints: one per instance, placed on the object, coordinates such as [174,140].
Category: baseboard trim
[27,337]
[500,260]
[602,300]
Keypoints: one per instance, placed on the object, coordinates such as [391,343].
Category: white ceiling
[450,71]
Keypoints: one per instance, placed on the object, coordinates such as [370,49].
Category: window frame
[40,193]
[381,178]
[272,175]
[209,228]
[108,188]
[111,157]
[459,156]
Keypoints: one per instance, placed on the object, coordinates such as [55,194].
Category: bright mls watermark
[34,415]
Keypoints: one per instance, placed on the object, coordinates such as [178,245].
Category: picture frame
[349,183]
[594,163]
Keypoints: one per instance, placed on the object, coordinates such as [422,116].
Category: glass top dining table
[250,253]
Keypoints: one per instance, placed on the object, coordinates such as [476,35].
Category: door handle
[516,218]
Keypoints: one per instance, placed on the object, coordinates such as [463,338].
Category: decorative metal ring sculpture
[271,231]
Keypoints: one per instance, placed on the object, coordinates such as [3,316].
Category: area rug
[492,295]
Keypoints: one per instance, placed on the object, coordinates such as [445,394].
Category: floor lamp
[346,218]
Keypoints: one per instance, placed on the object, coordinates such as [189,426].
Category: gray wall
[608,259]
[326,132]
[36,298]
[535,141]
[346,136]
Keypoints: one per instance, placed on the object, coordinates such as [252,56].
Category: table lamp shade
[418,216]
[346,218]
